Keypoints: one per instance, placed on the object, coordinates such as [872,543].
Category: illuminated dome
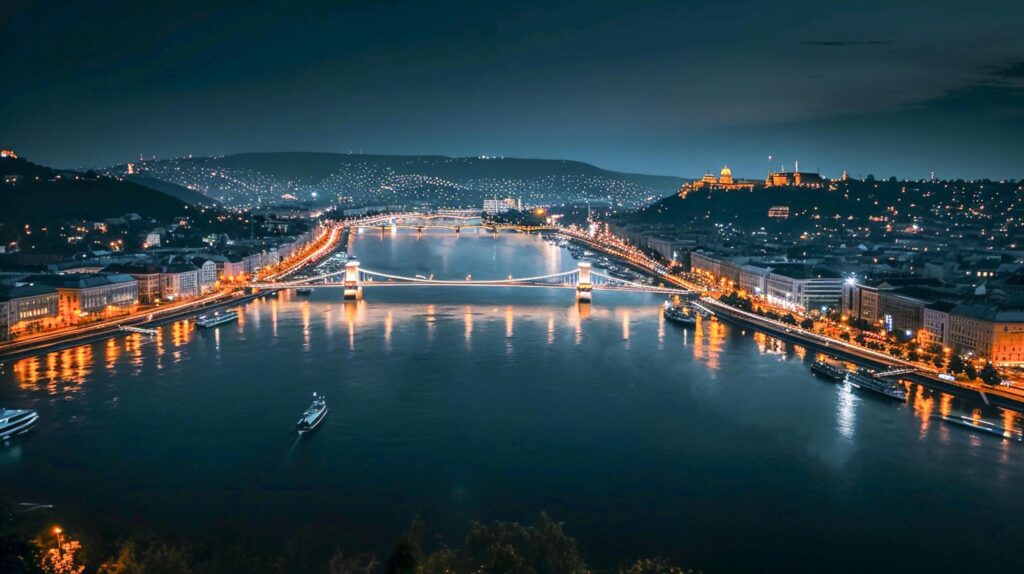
[726,176]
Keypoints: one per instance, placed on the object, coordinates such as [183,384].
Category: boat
[680,315]
[982,426]
[313,415]
[216,318]
[304,291]
[863,379]
[828,370]
[14,422]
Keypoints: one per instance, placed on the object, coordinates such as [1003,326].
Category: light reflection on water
[603,414]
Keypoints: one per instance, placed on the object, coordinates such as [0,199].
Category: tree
[653,566]
[511,547]
[970,371]
[407,554]
[63,557]
[149,558]
[956,365]
[938,362]
[989,375]
[788,319]
[844,336]
[913,356]
[807,323]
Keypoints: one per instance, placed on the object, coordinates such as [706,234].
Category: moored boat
[304,291]
[680,315]
[313,415]
[16,421]
[828,370]
[863,379]
[216,318]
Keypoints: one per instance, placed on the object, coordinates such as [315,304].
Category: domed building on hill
[724,181]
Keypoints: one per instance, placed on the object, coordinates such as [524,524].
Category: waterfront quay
[1009,397]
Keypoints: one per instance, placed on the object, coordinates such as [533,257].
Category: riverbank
[1006,398]
[312,255]
[35,348]
[863,357]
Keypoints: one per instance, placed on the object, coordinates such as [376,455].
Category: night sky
[882,87]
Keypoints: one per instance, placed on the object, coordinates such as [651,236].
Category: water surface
[713,446]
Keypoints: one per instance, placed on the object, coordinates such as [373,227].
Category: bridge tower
[584,286]
[353,287]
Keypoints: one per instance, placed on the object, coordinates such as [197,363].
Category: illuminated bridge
[353,279]
[424,221]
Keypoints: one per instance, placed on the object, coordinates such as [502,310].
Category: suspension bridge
[584,280]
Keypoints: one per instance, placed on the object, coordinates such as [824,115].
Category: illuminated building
[8,153]
[724,182]
[935,330]
[496,206]
[27,309]
[895,303]
[179,281]
[795,178]
[148,277]
[988,332]
[84,297]
[800,286]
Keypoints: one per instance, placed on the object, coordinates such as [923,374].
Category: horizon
[654,88]
[694,176]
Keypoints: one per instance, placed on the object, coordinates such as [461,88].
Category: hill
[36,195]
[851,200]
[174,190]
[355,179]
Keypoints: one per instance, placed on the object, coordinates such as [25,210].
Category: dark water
[713,446]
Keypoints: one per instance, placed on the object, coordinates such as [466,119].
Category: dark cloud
[1012,70]
[656,86]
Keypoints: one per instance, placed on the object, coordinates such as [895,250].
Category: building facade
[987,332]
[83,298]
[935,324]
[28,309]
[179,281]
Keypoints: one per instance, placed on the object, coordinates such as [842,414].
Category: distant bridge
[456,220]
[582,279]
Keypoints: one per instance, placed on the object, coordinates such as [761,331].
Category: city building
[179,281]
[803,287]
[146,274]
[935,329]
[795,178]
[496,206]
[724,182]
[84,297]
[754,279]
[895,304]
[207,273]
[152,239]
[27,309]
[988,332]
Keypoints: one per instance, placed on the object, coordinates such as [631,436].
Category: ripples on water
[709,444]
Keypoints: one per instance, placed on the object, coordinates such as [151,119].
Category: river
[713,446]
